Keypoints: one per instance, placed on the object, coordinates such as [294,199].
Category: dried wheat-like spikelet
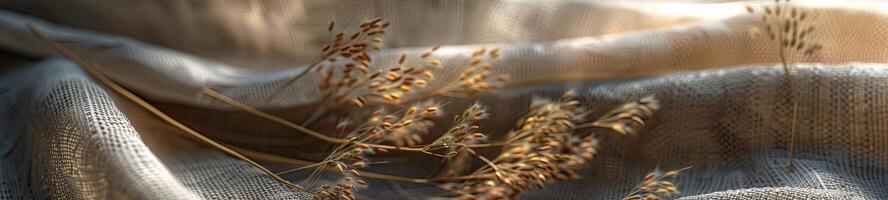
[543,148]
[628,118]
[355,82]
[346,158]
[349,50]
[464,131]
[657,185]
[477,76]
[788,26]
[348,76]
[344,189]
[401,127]
[414,122]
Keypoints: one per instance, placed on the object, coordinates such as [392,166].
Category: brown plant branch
[332,49]
[302,163]
[473,80]
[790,81]
[89,69]
[795,107]
[293,79]
[312,133]
[302,129]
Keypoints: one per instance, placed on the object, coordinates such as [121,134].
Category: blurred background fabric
[725,104]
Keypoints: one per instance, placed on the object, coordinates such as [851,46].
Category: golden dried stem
[309,132]
[486,161]
[792,97]
[89,69]
[292,161]
[788,32]
[425,95]
[790,81]
[303,167]
[312,133]
[279,89]
[225,99]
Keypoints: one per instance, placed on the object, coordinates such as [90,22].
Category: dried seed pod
[360,102]
[435,63]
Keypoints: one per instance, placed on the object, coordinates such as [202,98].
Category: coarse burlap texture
[725,107]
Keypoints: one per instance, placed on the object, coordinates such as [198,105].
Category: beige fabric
[733,111]
[701,36]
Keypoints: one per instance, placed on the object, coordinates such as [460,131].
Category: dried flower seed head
[543,148]
[656,185]
[406,129]
[347,63]
[461,133]
[435,63]
[479,52]
[360,102]
[494,53]
[630,117]
[788,29]
[477,76]
[388,85]
[344,189]
[402,128]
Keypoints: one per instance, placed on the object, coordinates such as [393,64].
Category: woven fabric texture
[725,108]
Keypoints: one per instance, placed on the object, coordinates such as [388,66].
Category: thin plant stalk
[790,81]
[324,56]
[785,25]
[292,161]
[317,114]
[315,134]
[89,69]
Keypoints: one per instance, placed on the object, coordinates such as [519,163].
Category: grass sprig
[789,28]
[544,147]
[463,132]
[656,185]
[353,50]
